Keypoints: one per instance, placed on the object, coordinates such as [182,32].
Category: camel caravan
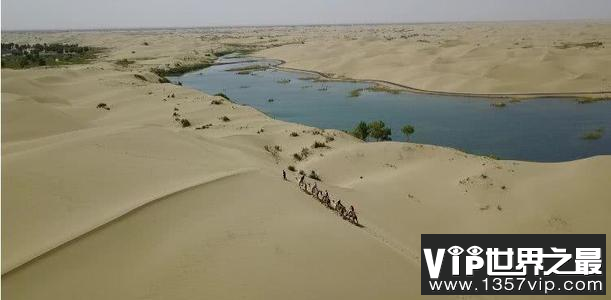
[325,199]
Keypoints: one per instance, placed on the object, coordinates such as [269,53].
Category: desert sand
[126,204]
[511,58]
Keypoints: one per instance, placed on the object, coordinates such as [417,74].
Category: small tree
[407,130]
[361,131]
[379,131]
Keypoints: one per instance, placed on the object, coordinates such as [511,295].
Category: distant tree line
[21,56]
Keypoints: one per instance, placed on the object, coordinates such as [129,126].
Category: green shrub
[361,131]
[408,130]
[379,131]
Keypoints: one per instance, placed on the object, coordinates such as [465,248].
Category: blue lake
[545,130]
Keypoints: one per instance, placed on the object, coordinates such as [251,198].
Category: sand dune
[515,58]
[126,204]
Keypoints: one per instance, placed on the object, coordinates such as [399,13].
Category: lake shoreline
[505,96]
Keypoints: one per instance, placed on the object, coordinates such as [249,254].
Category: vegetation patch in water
[180,69]
[593,135]
[247,70]
[383,89]
[587,100]
[355,93]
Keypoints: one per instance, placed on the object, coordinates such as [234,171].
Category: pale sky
[90,14]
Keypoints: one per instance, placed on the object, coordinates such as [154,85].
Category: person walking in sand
[339,207]
[301,180]
[284,174]
[351,216]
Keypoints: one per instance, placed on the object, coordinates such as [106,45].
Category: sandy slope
[125,204]
[469,58]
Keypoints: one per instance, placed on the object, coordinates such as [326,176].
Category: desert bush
[297,157]
[294,134]
[225,119]
[216,102]
[292,168]
[140,77]
[314,176]
[185,123]
[222,95]
[318,144]
[124,62]
[274,151]
[103,106]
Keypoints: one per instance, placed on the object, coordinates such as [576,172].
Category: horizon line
[294,25]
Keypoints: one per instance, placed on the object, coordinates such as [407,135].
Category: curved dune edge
[13,266]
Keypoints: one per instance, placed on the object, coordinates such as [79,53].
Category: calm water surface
[536,130]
